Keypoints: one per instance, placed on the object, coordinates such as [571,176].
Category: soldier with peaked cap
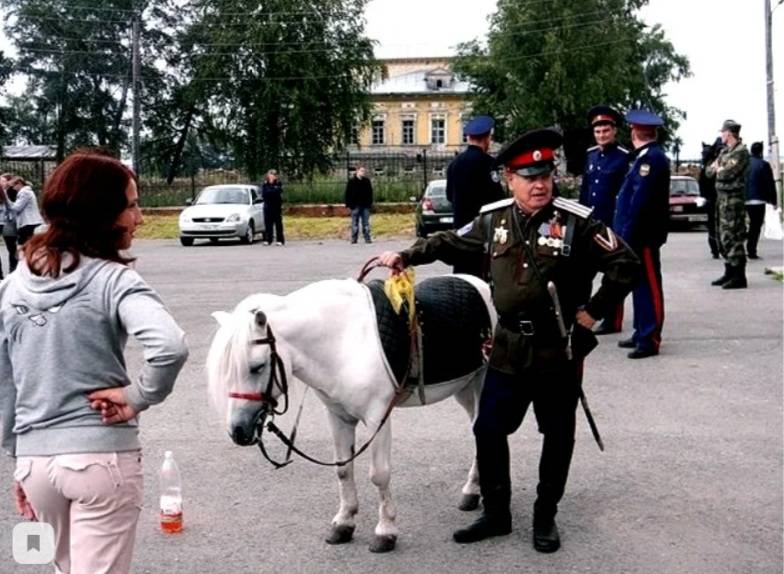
[472,181]
[642,216]
[605,168]
[730,170]
[528,241]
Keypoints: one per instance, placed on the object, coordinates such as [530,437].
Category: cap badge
[537,155]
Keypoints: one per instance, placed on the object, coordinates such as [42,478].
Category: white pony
[326,336]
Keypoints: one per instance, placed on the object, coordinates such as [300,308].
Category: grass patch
[297,227]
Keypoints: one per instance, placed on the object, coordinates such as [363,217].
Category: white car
[222,211]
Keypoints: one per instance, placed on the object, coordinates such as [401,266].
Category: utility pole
[136,67]
[773,140]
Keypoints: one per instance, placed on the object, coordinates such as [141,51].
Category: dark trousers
[756,219]
[24,233]
[10,245]
[648,300]
[502,407]
[713,233]
[273,218]
[360,215]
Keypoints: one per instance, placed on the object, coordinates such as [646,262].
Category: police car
[434,211]
[687,207]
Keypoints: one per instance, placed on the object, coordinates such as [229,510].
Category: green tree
[279,83]
[547,62]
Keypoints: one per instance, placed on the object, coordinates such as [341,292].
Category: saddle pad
[454,322]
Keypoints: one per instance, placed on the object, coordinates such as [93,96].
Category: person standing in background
[760,189]
[24,208]
[606,164]
[472,181]
[708,191]
[272,194]
[359,199]
[9,225]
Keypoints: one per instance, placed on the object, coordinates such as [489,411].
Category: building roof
[20,152]
[416,83]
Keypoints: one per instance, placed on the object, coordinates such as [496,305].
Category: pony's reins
[269,403]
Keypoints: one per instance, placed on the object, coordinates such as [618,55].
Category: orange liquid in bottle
[171,523]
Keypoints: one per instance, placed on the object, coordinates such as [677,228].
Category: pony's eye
[257,369]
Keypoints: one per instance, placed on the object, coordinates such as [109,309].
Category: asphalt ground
[691,480]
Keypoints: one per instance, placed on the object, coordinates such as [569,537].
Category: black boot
[486,526]
[627,343]
[724,278]
[546,537]
[495,520]
[737,279]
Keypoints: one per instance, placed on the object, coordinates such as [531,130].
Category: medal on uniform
[542,240]
[501,235]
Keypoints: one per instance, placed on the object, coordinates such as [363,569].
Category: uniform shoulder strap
[623,149]
[500,204]
[572,206]
[592,148]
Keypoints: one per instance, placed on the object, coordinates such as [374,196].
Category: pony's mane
[227,359]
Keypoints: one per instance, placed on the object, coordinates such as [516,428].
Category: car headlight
[234,218]
[700,202]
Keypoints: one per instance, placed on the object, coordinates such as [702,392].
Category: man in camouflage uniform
[529,240]
[729,169]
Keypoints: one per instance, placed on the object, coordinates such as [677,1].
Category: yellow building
[419,104]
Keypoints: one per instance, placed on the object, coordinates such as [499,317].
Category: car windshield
[684,187]
[436,191]
[212,195]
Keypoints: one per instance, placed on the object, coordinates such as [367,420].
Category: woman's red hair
[82,200]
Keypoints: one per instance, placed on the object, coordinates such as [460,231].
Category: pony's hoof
[469,502]
[340,534]
[383,543]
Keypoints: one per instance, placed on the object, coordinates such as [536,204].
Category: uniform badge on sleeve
[501,235]
[645,169]
[608,243]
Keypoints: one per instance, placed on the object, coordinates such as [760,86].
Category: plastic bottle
[171,495]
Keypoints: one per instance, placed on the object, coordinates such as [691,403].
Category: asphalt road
[691,481]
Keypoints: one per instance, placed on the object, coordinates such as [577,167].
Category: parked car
[223,211]
[434,211]
[687,206]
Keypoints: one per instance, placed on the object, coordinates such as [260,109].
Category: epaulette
[592,148]
[497,205]
[572,207]
[623,149]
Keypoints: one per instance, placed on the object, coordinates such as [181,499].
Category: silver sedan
[223,211]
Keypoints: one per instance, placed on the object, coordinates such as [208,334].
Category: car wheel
[249,234]
[186,241]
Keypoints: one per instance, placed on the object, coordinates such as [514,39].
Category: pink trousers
[92,501]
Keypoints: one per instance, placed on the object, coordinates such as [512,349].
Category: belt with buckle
[518,325]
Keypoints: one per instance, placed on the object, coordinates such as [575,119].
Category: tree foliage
[547,62]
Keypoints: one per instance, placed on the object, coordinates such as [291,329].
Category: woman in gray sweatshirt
[68,407]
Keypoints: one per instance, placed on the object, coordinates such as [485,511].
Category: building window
[378,132]
[437,131]
[408,132]
[354,135]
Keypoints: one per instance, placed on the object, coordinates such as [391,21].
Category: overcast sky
[723,39]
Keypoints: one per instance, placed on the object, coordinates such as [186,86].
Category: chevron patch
[609,243]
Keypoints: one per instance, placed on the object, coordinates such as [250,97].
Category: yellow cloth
[399,288]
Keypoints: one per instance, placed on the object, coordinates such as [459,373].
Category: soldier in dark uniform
[529,240]
[606,164]
[642,215]
[472,181]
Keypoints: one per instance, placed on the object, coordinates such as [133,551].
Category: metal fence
[33,170]
[396,177]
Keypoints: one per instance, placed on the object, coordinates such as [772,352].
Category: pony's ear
[222,317]
[261,318]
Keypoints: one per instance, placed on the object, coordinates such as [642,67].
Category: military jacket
[730,168]
[519,292]
[471,182]
[642,209]
[605,170]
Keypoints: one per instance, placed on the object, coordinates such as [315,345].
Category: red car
[687,207]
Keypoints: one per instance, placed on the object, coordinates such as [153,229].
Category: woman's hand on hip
[113,405]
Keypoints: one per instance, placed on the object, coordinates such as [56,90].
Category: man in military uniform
[472,181]
[528,241]
[642,216]
[606,164]
[729,169]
